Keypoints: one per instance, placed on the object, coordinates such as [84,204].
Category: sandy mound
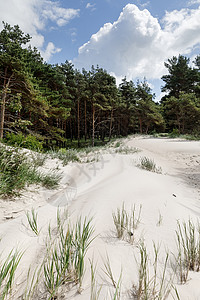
[97,190]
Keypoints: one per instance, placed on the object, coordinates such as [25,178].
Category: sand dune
[96,190]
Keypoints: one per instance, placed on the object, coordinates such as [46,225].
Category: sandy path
[98,189]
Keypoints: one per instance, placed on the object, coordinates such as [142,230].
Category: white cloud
[136,45]
[49,51]
[91,6]
[32,17]
[193,2]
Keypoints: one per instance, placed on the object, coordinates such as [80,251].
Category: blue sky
[127,38]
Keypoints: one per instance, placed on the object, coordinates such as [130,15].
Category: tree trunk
[111,119]
[78,122]
[71,137]
[140,120]
[85,120]
[3,102]
[93,123]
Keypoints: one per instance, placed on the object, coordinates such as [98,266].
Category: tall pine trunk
[93,123]
[3,102]
[111,120]
[140,120]
[85,104]
[78,122]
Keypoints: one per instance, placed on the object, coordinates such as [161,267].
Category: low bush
[20,140]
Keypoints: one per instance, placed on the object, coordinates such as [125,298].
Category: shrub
[20,140]
[175,133]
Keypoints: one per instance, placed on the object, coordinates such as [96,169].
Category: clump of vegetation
[65,259]
[115,293]
[17,171]
[126,150]
[66,155]
[38,158]
[188,243]
[125,223]
[149,165]
[152,284]
[117,144]
[7,273]
[175,133]
[20,140]
[32,220]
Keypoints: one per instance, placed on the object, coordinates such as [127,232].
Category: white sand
[98,189]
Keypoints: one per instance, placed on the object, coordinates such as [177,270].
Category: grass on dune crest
[18,170]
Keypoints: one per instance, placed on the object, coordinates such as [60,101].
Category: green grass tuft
[149,165]
[17,171]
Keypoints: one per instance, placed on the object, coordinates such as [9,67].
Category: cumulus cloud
[193,2]
[32,17]
[136,45]
[49,51]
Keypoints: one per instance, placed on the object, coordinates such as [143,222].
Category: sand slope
[96,190]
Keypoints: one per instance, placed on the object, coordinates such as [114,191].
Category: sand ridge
[96,190]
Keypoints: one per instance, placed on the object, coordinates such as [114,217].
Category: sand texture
[96,190]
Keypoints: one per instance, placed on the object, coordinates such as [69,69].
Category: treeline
[57,103]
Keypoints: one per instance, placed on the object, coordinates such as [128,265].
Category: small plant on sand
[65,258]
[32,284]
[38,158]
[160,220]
[188,244]
[152,284]
[66,155]
[17,172]
[149,165]
[32,220]
[95,290]
[116,294]
[108,271]
[126,150]
[7,273]
[125,223]
[117,144]
[82,240]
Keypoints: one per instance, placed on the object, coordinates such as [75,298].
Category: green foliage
[32,220]
[181,77]
[151,286]
[66,155]
[65,106]
[149,165]
[16,172]
[7,273]
[65,261]
[183,112]
[126,150]
[175,133]
[126,224]
[188,244]
[20,140]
